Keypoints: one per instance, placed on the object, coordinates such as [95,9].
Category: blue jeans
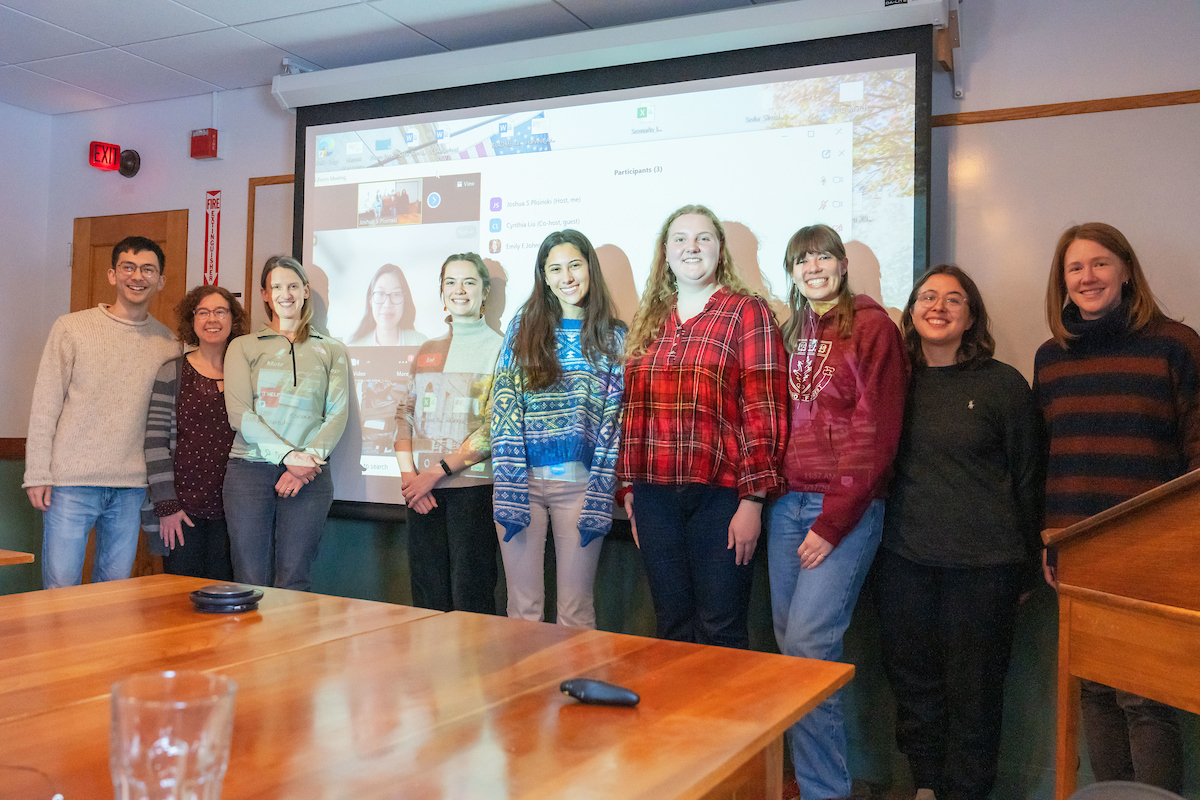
[74,510]
[700,593]
[811,610]
[273,539]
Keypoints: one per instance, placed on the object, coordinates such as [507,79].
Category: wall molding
[1065,109]
[12,449]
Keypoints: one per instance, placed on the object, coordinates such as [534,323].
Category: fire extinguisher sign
[212,236]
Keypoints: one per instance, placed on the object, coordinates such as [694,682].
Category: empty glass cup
[170,735]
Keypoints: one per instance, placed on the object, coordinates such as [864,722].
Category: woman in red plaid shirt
[705,422]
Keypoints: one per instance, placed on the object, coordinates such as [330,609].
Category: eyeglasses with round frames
[954,301]
[216,313]
[128,268]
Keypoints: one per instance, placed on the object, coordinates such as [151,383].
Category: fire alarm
[204,143]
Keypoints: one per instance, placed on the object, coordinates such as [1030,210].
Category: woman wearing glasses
[960,538]
[390,313]
[846,376]
[188,439]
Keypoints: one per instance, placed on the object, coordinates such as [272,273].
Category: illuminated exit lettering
[103,155]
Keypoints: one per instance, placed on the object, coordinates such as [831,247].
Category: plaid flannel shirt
[707,402]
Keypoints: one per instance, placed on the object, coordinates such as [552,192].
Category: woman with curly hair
[705,422]
[556,403]
[188,439]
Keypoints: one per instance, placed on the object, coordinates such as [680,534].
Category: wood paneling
[12,449]
[1063,109]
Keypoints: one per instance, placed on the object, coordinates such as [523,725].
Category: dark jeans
[273,539]
[946,635]
[1131,738]
[452,551]
[204,553]
[700,594]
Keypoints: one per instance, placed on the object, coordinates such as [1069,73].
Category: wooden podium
[1129,607]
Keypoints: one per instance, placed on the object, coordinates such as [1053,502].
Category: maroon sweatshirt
[847,408]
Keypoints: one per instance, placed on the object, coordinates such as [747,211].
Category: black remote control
[599,693]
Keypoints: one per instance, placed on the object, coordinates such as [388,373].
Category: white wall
[1003,192]
[27,271]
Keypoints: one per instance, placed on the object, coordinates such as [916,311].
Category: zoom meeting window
[387,200]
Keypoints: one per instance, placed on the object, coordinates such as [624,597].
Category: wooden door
[90,262]
[92,258]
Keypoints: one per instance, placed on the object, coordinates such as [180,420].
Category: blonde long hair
[661,292]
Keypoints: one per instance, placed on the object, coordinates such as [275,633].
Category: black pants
[1131,738]
[946,639]
[452,551]
[204,552]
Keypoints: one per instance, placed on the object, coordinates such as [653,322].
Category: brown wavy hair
[815,239]
[535,344]
[977,345]
[661,292]
[185,314]
[306,313]
[1143,306]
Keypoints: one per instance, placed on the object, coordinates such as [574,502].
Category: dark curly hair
[185,313]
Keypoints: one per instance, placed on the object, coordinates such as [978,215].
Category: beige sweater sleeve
[54,375]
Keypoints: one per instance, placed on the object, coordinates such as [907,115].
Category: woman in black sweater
[960,538]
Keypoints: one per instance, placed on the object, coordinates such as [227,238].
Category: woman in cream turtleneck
[443,447]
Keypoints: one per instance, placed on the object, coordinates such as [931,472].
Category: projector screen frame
[916,41]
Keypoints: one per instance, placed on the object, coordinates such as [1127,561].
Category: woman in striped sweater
[1118,386]
[555,430]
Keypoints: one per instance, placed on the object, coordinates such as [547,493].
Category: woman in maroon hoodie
[847,377]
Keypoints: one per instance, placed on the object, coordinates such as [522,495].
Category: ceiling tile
[118,23]
[239,12]
[475,23]
[227,57]
[607,13]
[24,89]
[26,38]
[343,37]
[121,75]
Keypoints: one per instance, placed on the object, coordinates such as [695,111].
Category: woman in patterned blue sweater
[556,428]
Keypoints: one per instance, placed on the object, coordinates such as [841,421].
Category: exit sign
[103,155]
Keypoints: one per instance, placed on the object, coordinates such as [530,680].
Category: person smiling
[443,440]
[556,430]
[960,538]
[1118,386]
[705,421]
[188,439]
[85,463]
[286,392]
[846,378]
[388,319]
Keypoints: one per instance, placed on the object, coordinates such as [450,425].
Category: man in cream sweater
[84,459]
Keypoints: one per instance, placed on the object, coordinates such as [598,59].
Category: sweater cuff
[827,532]
[166,508]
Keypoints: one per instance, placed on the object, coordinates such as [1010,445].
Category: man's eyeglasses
[396,297]
[128,268]
[216,313]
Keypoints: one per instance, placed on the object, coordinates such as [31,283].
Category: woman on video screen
[443,440]
[556,429]
[388,319]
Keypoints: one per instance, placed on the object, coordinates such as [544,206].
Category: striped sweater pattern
[1121,409]
[575,419]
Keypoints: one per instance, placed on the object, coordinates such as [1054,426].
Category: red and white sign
[212,236]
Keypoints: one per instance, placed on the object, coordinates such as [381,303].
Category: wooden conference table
[342,698]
